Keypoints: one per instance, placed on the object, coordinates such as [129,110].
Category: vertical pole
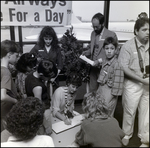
[106,13]
[20,37]
[12,33]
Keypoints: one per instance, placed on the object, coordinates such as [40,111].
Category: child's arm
[118,80]
[5,97]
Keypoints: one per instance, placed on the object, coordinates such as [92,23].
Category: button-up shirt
[128,56]
[112,74]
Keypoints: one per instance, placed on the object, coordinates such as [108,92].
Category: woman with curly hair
[23,122]
[98,129]
[47,48]
[64,97]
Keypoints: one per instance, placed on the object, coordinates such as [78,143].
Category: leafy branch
[71,49]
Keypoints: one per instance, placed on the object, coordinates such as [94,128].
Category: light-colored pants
[135,96]
[111,101]
[145,132]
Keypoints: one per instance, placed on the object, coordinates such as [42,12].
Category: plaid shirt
[112,74]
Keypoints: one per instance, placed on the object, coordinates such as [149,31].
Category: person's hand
[49,131]
[67,121]
[98,62]
[86,53]
[145,81]
[53,79]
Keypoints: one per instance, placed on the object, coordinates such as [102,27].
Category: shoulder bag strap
[140,57]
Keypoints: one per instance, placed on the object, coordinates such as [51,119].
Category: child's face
[110,51]
[72,88]
[13,58]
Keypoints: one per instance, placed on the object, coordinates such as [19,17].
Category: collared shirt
[53,55]
[143,50]
[112,74]
[128,56]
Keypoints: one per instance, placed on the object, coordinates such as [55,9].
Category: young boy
[9,55]
[111,76]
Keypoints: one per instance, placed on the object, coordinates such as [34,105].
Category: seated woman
[36,86]
[64,97]
[98,129]
[25,65]
[23,122]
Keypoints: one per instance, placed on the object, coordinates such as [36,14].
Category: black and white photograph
[74,73]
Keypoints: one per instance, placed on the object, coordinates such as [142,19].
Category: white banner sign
[22,13]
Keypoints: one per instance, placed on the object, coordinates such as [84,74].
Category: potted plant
[71,49]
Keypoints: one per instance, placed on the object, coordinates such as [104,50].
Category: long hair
[95,106]
[45,32]
[89,105]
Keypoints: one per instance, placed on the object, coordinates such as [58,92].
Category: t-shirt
[100,133]
[37,141]
[31,82]
[7,82]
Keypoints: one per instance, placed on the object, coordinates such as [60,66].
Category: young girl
[98,129]
[36,86]
[25,65]
[111,76]
[64,97]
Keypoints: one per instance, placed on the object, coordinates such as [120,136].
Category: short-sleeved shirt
[7,82]
[128,56]
[31,82]
[58,100]
[100,133]
[112,74]
[37,141]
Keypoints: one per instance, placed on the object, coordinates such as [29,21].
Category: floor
[134,141]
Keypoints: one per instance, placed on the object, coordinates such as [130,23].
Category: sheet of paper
[86,59]
[61,126]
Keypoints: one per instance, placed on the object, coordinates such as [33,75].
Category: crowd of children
[26,104]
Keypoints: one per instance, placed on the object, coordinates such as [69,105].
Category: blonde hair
[94,106]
